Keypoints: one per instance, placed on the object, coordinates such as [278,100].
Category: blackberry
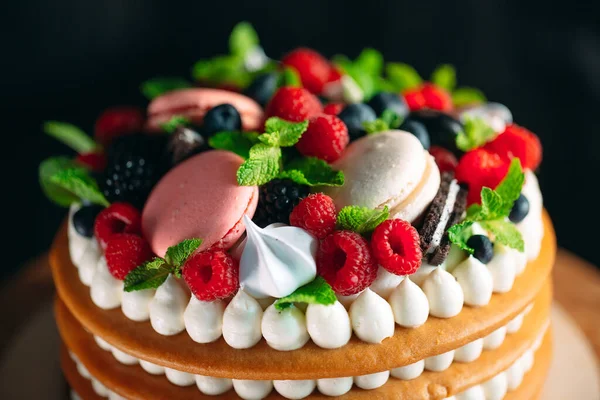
[135,163]
[276,201]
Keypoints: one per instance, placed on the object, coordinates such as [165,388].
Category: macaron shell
[200,198]
[195,103]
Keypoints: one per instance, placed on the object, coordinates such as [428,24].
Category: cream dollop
[298,389]
[409,304]
[167,307]
[495,388]
[469,352]
[410,371]
[252,390]
[136,305]
[372,381]
[494,339]
[105,290]
[213,386]
[204,319]
[472,393]
[276,260]
[152,368]
[179,378]
[242,321]
[503,268]
[440,362]
[422,273]
[372,317]
[284,330]
[532,227]
[385,283]
[444,294]
[328,326]
[335,386]
[475,280]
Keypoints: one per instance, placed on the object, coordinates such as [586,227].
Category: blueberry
[223,117]
[520,209]
[484,249]
[353,115]
[84,218]
[388,101]
[418,129]
[262,88]
[441,127]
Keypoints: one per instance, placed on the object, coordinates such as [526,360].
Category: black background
[68,60]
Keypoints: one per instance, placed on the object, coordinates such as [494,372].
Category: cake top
[294,179]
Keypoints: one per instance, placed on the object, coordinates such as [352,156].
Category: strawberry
[519,142]
[124,252]
[293,104]
[436,98]
[118,121]
[480,168]
[314,69]
[414,99]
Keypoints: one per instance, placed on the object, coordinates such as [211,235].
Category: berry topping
[315,214]
[333,108]
[94,161]
[519,142]
[414,99]
[445,160]
[223,117]
[418,129]
[326,138]
[345,261]
[519,210]
[442,128]
[276,201]
[353,115]
[83,219]
[293,104]
[184,143]
[211,275]
[117,218]
[397,246]
[479,168]
[118,121]
[262,88]
[482,246]
[436,98]
[124,252]
[388,101]
[313,68]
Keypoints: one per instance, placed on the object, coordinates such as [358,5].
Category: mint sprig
[361,220]
[243,39]
[70,135]
[153,273]
[312,171]
[316,292]
[365,71]
[175,122]
[402,76]
[281,133]
[155,87]
[475,134]
[239,143]
[47,169]
[444,76]
[465,96]
[289,77]
[388,120]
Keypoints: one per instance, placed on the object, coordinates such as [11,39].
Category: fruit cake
[302,228]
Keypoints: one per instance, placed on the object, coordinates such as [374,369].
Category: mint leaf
[243,39]
[361,220]
[402,76]
[444,76]
[149,275]
[361,79]
[465,96]
[289,77]
[316,292]
[70,135]
[282,133]
[506,233]
[239,143]
[47,169]
[460,233]
[155,87]
[370,61]
[509,189]
[176,121]
[375,126]
[476,133]
[312,171]
[261,166]
[176,255]
[78,181]
[392,119]
[227,70]
[491,205]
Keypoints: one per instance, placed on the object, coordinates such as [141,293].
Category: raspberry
[326,138]
[479,168]
[344,260]
[117,218]
[334,74]
[397,246]
[211,275]
[519,142]
[414,99]
[333,108]
[315,214]
[94,161]
[293,104]
[124,252]
[436,98]
[445,160]
[314,69]
[117,121]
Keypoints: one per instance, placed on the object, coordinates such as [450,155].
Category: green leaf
[491,205]
[176,255]
[176,121]
[239,143]
[78,181]
[459,234]
[149,275]
[376,126]
[316,292]
[444,76]
[289,77]
[243,39]
[366,82]
[50,167]
[392,119]
[222,70]
[70,135]
[402,76]
[282,133]
[465,96]
[509,189]
[362,220]
[506,233]
[476,133]
[312,171]
[155,87]
[370,61]
[261,166]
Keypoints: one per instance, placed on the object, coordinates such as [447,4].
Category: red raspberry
[211,275]
[117,218]
[333,108]
[117,121]
[479,168]
[326,138]
[124,252]
[414,99]
[315,214]
[344,260]
[334,75]
[445,160]
[293,104]
[519,142]
[314,69]
[397,247]
[94,161]
[436,98]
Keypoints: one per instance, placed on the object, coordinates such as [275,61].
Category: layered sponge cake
[302,228]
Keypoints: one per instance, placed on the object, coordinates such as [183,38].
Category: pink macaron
[200,198]
[195,103]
